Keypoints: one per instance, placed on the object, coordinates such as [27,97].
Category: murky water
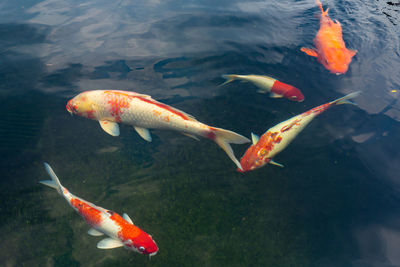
[336,202]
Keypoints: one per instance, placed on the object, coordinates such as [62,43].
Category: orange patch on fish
[117,100]
[257,155]
[91,215]
[127,230]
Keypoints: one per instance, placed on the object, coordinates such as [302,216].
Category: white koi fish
[277,138]
[120,230]
[111,107]
[266,84]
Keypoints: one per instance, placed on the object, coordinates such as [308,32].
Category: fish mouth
[68,109]
[153,254]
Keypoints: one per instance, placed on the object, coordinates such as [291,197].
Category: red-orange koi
[330,49]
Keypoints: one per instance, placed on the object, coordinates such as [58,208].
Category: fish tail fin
[54,182]
[318,2]
[229,78]
[346,99]
[224,137]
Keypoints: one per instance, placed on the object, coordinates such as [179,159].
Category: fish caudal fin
[54,182]
[224,137]
[229,78]
[346,99]
[318,2]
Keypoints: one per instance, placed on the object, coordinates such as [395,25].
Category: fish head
[255,157]
[82,105]
[144,244]
[294,94]
[337,60]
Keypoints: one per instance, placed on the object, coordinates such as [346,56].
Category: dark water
[337,201]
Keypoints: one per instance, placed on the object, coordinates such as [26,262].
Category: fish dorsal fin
[352,52]
[170,108]
[127,218]
[190,117]
[145,96]
[94,232]
[110,127]
[254,138]
[274,95]
[276,163]
[108,243]
[309,51]
[144,133]
[130,93]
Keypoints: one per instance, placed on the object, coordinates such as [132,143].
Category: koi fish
[277,138]
[266,84]
[120,230]
[111,107]
[330,49]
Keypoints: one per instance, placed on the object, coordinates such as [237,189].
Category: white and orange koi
[121,231]
[266,84]
[111,107]
[277,138]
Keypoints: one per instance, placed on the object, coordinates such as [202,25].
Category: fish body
[111,107]
[275,88]
[330,49]
[120,230]
[277,138]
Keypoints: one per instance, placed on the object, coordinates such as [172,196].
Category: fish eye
[141,249]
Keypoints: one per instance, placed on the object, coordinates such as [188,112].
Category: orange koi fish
[330,49]
[121,231]
[277,138]
[111,107]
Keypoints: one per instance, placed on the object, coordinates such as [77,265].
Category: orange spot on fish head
[294,94]
[144,244]
[81,105]
[251,159]
[257,155]
[288,91]
[133,237]
[337,61]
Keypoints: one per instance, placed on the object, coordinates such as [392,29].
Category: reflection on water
[334,204]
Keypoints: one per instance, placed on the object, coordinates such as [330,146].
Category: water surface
[335,203]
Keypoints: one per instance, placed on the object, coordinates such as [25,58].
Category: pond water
[335,203]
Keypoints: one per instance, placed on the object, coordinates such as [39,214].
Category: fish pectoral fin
[352,52]
[109,243]
[127,218]
[94,232]
[309,51]
[274,95]
[262,91]
[191,136]
[276,163]
[110,127]
[254,138]
[144,133]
